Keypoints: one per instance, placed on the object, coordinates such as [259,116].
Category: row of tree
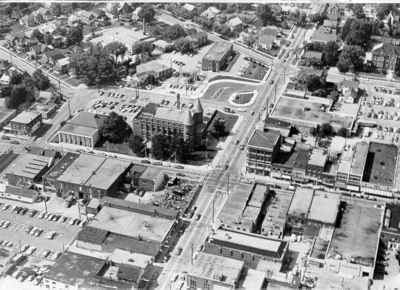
[116,130]
[22,87]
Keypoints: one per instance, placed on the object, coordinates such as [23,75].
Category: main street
[221,182]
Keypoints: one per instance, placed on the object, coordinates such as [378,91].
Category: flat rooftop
[357,236]
[258,196]
[266,140]
[25,117]
[381,164]
[301,202]
[218,268]
[232,211]
[324,207]
[78,130]
[28,165]
[254,279]
[59,168]
[107,173]
[81,169]
[132,224]
[393,214]
[75,269]
[218,50]
[307,113]
[318,158]
[170,113]
[359,158]
[275,218]
[250,243]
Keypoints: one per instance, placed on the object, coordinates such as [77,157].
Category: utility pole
[45,204]
[227,186]
[191,253]
[213,211]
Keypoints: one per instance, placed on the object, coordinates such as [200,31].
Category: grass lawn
[243,98]
[255,71]
[122,148]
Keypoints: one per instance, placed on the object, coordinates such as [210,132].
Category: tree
[325,130]
[313,82]
[17,97]
[95,66]
[331,53]
[41,81]
[351,58]
[75,34]
[116,48]
[5,91]
[342,132]
[47,38]
[147,13]
[55,9]
[15,78]
[159,145]
[141,47]
[184,45]
[357,32]
[37,34]
[265,14]
[115,129]
[219,128]
[136,144]
[179,148]
[174,32]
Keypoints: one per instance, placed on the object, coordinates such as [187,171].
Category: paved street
[217,180]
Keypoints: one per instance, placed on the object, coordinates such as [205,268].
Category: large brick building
[154,119]
[217,56]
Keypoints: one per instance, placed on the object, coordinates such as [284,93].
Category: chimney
[178,102]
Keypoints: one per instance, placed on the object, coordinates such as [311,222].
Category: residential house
[37,50]
[189,7]
[62,65]
[335,11]
[323,37]
[267,37]
[235,24]
[329,26]
[211,12]
[311,58]
[161,45]
[51,57]
[385,56]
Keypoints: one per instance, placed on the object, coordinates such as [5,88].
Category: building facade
[261,151]
[217,57]
[187,124]
[26,123]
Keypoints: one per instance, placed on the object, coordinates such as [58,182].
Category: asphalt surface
[227,174]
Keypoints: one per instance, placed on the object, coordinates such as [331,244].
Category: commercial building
[86,175]
[187,124]
[217,56]
[77,271]
[82,130]
[354,245]
[18,193]
[27,169]
[380,168]
[152,230]
[391,226]
[214,272]
[324,208]
[299,209]
[316,163]
[267,37]
[385,56]
[158,70]
[261,151]
[26,123]
[148,178]
[250,248]
[274,223]
[360,155]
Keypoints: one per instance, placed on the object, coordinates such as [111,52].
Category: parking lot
[31,239]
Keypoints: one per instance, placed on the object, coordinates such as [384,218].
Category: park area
[128,36]
[243,98]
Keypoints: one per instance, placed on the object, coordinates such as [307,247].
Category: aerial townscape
[199,145]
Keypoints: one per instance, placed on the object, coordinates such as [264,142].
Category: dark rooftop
[62,165]
[92,235]
[267,140]
[380,164]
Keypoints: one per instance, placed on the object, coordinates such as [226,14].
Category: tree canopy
[42,82]
[136,144]
[351,59]
[115,129]
[265,14]
[147,13]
